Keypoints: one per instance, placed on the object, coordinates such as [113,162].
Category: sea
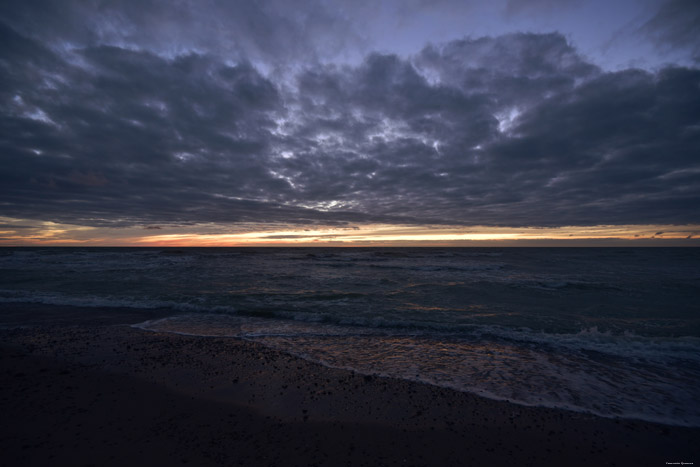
[613,332]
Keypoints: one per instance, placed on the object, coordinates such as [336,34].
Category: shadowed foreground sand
[82,389]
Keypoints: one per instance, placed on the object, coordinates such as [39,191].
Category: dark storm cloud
[676,26]
[622,148]
[514,130]
[511,129]
[15,226]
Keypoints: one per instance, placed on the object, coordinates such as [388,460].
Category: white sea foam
[589,371]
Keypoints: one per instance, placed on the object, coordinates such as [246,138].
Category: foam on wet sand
[89,389]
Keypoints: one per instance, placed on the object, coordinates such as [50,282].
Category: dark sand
[90,390]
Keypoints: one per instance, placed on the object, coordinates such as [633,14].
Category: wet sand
[81,387]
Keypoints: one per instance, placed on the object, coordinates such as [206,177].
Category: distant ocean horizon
[611,331]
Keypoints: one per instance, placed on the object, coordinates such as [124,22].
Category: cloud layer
[106,126]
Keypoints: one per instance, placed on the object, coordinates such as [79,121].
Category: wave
[94,301]
[304,307]
[443,267]
[553,284]
[626,344]
[608,375]
[92,260]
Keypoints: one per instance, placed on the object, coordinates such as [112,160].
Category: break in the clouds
[152,113]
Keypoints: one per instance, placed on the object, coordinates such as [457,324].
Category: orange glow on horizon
[53,234]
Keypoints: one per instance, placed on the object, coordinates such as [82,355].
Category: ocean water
[609,331]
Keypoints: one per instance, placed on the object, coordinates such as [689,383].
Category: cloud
[293,236]
[515,7]
[273,31]
[15,226]
[514,130]
[675,26]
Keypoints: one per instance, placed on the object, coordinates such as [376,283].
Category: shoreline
[88,388]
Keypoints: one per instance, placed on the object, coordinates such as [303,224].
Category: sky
[342,123]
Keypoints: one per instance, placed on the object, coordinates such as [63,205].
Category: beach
[336,233]
[89,389]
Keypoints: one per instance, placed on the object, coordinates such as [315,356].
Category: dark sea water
[609,331]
